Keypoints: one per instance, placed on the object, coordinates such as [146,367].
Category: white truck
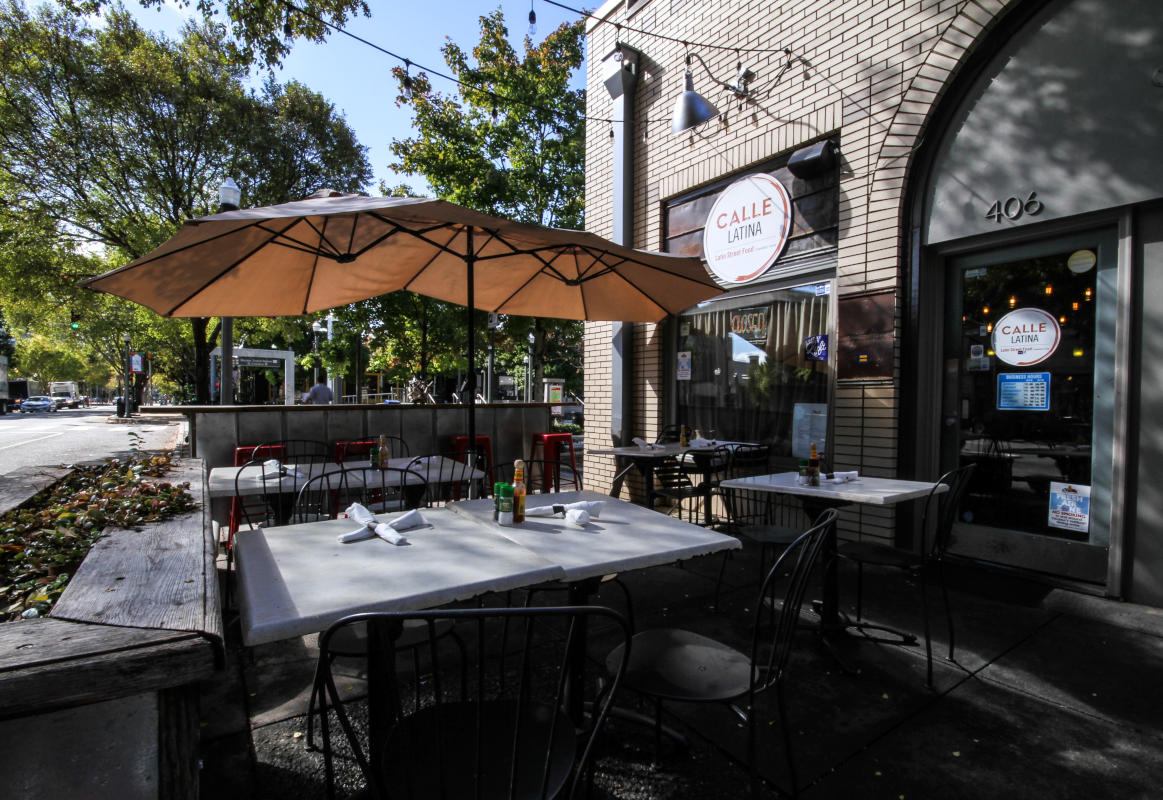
[64,393]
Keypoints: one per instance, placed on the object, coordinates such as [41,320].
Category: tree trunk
[202,348]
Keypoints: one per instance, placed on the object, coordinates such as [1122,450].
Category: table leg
[575,656]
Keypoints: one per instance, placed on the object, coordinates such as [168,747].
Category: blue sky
[356,78]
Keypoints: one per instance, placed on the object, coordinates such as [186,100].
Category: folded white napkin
[577,517]
[388,531]
[643,444]
[592,508]
[703,442]
[845,477]
[273,468]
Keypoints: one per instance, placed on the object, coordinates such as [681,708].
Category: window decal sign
[1069,507]
[1023,391]
[816,347]
[1026,336]
[747,228]
[751,323]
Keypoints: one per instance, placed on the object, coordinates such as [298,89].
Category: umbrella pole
[469,261]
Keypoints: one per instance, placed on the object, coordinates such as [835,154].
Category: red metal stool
[551,445]
[460,446]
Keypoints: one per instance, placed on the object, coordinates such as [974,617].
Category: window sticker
[1026,336]
[683,369]
[1023,391]
[1069,507]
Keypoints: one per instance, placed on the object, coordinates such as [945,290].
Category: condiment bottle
[803,479]
[519,492]
[505,509]
[683,440]
[813,466]
[385,451]
[497,499]
[374,454]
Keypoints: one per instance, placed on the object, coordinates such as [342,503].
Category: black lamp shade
[691,109]
[814,160]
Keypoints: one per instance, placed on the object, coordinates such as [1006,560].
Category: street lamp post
[128,375]
[229,196]
[529,370]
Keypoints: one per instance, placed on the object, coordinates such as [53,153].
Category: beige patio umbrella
[329,250]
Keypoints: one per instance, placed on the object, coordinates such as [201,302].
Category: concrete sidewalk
[1050,695]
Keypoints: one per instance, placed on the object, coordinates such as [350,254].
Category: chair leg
[719,582]
[859,590]
[948,608]
[787,742]
[316,690]
[924,579]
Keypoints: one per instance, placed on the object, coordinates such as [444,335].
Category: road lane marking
[30,441]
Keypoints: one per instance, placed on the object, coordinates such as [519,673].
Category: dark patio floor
[1052,694]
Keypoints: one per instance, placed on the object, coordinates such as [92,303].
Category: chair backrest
[749,459]
[389,489]
[246,453]
[471,717]
[775,623]
[668,435]
[670,473]
[450,475]
[321,497]
[362,447]
[941,510]
[306,451]
[541,477]
[268,494]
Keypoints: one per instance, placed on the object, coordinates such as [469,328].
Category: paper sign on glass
[1069,507]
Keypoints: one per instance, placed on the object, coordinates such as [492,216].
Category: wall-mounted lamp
[692,108]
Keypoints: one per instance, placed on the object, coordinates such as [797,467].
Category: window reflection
[759,368]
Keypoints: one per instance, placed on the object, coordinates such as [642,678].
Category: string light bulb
[532,20]
[407,80]
[1049,289]
[985,310]
[1013,300]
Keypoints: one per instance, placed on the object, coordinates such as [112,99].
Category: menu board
[1023,391]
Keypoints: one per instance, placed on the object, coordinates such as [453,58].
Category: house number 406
[1013,207]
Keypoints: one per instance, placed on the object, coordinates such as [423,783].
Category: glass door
[1029,355]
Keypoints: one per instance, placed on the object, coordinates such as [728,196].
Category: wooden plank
[161,576]
[178,736]
[39,642]
[188,658]
[19,485]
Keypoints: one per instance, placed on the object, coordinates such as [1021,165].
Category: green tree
[509,143]
[112,138]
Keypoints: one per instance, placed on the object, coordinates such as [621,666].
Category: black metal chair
[379,490]
[489,723]
[672,481]
[765,518]
[302,451]
[450,475]
[936,527]
[671,664]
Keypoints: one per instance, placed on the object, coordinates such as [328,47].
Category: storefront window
[756,368]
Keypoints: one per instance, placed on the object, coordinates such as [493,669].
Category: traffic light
[74,320]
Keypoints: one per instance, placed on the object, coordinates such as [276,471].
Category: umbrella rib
[314,268]
[227,268]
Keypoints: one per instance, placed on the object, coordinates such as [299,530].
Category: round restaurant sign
[747,228]
[1026,336]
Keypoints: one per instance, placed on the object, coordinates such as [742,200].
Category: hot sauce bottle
[519,492]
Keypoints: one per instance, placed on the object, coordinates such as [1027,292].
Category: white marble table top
[864,490]
[625,537]
[442,470]
[221,483]
[660,451]
[297,579]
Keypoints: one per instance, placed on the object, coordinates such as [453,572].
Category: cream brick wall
[867,72]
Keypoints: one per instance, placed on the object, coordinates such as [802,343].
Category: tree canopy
[509,142]
[111,137]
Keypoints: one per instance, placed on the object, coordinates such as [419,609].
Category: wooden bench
[103,693]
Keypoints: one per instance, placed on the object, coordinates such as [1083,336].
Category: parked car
[37,403]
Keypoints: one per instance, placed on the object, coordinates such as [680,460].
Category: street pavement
[82,434]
